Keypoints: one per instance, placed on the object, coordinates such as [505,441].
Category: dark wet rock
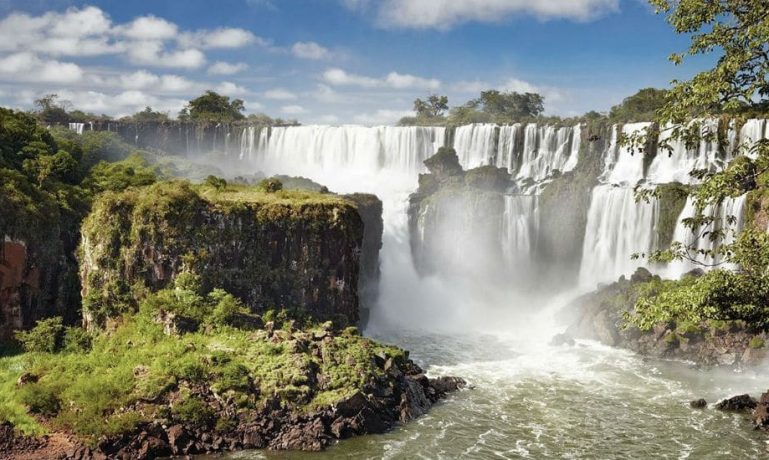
[698,404]
[761,413]
[641,275]
[737,404]
[562,339]
[445,385]
[402,394]
[174,324]
[26,378]
[444,164]
[600,316]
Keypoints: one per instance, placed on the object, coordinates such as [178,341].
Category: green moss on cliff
[672,199]
[273,250]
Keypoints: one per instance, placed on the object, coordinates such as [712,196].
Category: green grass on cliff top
[251,194]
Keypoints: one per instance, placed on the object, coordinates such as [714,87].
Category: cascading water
[618,226]
[676,164]
[547,149]
[77,127]
[530,151]
[520,225]
[522,404]
[624,164]
[700,239]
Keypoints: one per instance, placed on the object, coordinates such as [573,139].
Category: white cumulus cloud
[226,68]
[279,94]
[29,67]
[149,28]
[310,50]
[444,14]
[394,80]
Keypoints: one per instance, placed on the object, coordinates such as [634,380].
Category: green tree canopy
[150,116]
[509,106]
[738,31]
[435,106]
[212,106]
[641,106]
[51,109]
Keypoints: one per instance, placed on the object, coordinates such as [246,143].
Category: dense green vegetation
[213,107]
[139,373]
[739,32]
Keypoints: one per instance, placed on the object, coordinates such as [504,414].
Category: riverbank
[143,394]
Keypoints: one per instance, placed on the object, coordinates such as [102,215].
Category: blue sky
[332,61]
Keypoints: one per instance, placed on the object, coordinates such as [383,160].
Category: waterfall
[623,164]
[753,131]
[308,149]
[520,226]
[480,240]
[617,228]
[541,150]
[675,165]
[475,145]
[77,127]
[507,153]
[700,240]
[547,149]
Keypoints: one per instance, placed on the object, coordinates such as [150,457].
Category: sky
[332,61]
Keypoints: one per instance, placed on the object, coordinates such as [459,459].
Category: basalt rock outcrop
[600,316]
[393,390]
[453,205]
[289,250]
[38,271]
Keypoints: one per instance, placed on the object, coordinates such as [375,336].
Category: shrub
[46,337]
[270,185]
[40,400]
[234,377]
[194,412]
[216,182]
[77,340]
[226,308]
[756,343]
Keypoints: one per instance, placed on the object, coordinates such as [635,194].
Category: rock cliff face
[297,251]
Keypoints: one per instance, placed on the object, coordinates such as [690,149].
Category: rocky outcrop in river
[270,250]
[600,316]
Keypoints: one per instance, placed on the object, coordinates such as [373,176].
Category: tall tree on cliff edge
[738,84]
[213,107]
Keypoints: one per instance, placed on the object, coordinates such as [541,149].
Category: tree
[642,106]
[51,110]
[435,106]
[214,107]
[509,106]
[739,31]
[150,116]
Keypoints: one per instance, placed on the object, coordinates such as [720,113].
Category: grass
[137,373]
[250,194]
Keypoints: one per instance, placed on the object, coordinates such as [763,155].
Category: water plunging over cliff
[387,160]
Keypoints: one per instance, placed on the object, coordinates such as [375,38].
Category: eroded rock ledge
[600,316]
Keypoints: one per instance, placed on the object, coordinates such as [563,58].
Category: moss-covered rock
[672,199]
[272,250]
[563,208]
